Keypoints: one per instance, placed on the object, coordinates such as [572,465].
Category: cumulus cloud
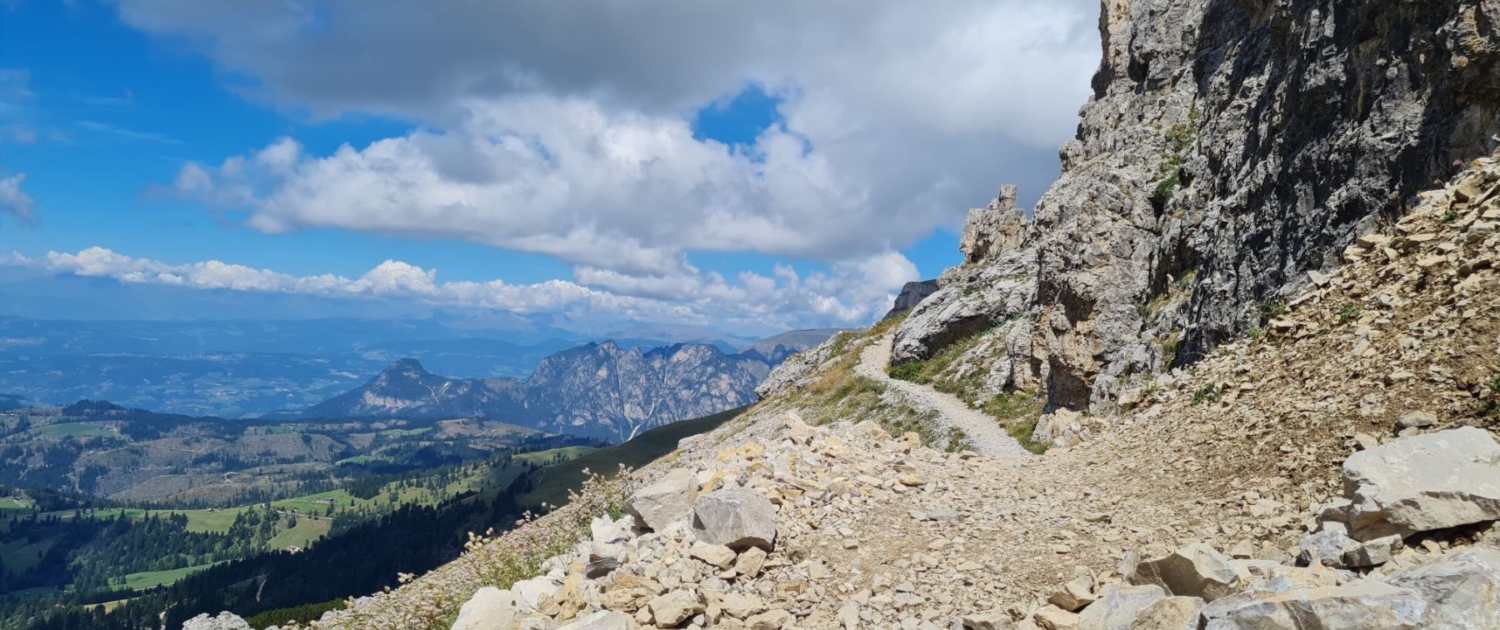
[567,129]
[564,128]
[849,294]
[16,202]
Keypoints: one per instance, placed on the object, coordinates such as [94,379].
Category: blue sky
[743,189]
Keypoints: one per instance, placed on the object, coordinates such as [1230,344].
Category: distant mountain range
[252,367]
[598,390]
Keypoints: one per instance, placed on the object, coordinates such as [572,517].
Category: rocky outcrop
[993,230]
[912,294]
[800,368]
[1230,147]
[225,621]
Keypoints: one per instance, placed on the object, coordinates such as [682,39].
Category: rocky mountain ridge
[1230,147]
[597,390]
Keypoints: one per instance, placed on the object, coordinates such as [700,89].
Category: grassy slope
[154,579]
[20,556]
[551,485]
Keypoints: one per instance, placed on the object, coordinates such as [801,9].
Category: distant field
[156,579]
[19,556]
[405,432]
[73,430]
[11,504]
[357,460]
[568,453]
[551,485]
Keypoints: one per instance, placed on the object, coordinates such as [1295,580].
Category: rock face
[597,390]
[1217,163]
[911,295]
[1423,483]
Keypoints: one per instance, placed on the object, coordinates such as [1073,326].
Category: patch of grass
[1022,432]
[1168,187]
[1208,393]
[74,430]
[1491,402]
[1269,311]
[1450,216]
[926,372]
[913,371]
[10,505]
[1349,312]
[20,556]
[1169,344]
[1019,413]
[1256,334]
[1179,139]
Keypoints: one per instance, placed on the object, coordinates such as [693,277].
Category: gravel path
[984,432]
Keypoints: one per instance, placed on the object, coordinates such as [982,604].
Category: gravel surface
[984,433]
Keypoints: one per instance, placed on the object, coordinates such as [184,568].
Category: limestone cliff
[1230,147]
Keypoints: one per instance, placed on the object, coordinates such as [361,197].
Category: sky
[747,166]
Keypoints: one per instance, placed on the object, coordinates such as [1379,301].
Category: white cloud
[17,202]
[563,128]
[850,294]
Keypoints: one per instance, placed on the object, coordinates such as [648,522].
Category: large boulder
[1424,483]
[1119,606]
[1462,590]
[665,501]
[1192,571]
[1359,606]
[736,518]
[1459,591]
[489,609]
[225,621]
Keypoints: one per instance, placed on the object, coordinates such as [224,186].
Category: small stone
[1416,419]
[1054,618]
[1074,595]
[716,555]
[672,609]
[769,620]
[1372,553]
[750,562]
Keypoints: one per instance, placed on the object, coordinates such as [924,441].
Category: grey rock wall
[1230,147]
